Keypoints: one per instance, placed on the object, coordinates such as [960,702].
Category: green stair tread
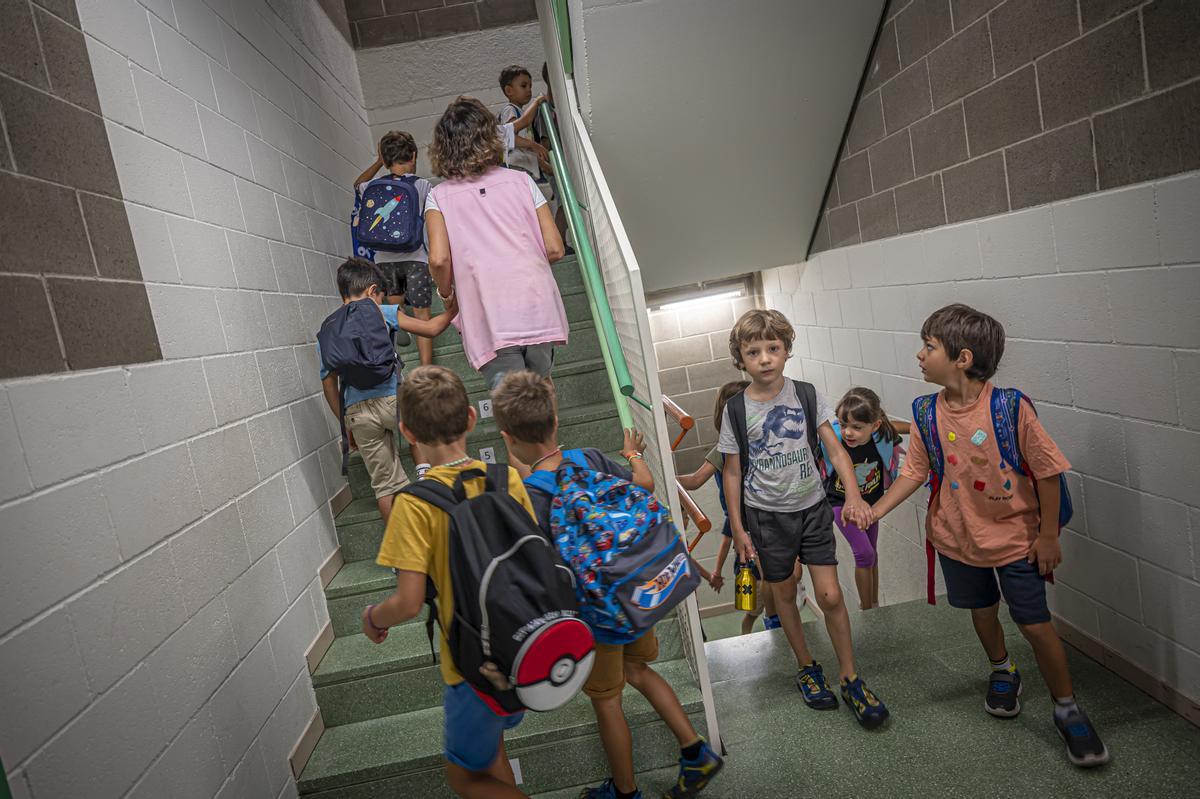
[354,656]
[646,783]
[363,509]
[369,750]
[359,577]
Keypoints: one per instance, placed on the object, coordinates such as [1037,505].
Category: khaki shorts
[373,423]
[608,672]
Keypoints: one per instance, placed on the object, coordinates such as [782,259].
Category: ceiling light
[732,294]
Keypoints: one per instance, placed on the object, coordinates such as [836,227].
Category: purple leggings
[862,542]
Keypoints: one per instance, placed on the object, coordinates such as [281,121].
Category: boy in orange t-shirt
[985,519]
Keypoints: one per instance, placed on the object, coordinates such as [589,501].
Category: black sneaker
[1004,688]
[1084,747]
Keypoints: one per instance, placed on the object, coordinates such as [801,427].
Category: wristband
[371,621]
[632,456]
[445,297]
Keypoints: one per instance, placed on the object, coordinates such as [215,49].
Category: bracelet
[371,621]
[444,297]
[633,456]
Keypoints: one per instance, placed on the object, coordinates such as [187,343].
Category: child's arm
[902,427]
[901,489]
[854,510]
[523,143]
[1046,552]
[698,478]
[403,604]
[369,172]
[731,474]
[429,328]
[635,445]
[333,398]
[526,119]
[719,570]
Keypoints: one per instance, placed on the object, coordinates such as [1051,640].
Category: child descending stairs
[381,704]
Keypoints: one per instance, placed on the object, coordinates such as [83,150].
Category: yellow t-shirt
[417,540]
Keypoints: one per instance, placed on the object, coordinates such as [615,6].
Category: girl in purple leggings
[872,440]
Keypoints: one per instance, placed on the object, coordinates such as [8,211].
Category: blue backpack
[630,562]
[389,215]
[358,346]
[1005,412]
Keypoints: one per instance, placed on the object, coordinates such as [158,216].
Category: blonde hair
[861,404]
[526,407]
[433,405]
[465,141]
[759,325]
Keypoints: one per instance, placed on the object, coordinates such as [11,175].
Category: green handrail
[615,365]
[5,792]
[564,35]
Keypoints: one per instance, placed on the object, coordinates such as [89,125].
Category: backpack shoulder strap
[837,431]
[925,418]
[807,393]
[497,478]
[1006,413]
[437,494]
[887,453]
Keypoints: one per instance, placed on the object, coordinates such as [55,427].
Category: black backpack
[807,393]
[359,347]
[390,216]
[514,599]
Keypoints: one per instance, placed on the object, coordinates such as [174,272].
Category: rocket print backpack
[390,216]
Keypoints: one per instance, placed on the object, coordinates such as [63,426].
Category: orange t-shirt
[984,515]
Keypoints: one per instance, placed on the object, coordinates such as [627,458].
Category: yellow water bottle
[746,587]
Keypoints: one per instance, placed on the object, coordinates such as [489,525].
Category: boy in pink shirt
[989,518]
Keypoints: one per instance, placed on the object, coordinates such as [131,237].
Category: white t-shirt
[782,473]
[524,160]
[422,255]
[534,192]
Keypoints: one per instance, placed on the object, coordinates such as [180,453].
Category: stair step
[398,745]
[358,680]
[650,783]
[360,577]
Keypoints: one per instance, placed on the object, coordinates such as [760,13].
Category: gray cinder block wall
[1036,160]
[164,504]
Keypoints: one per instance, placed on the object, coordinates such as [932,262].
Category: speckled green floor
[926,664]
[729,625]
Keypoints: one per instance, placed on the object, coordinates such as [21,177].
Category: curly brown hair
[465,141]
[759,325]
[397,147]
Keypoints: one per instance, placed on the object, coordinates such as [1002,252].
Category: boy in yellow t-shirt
[438,415]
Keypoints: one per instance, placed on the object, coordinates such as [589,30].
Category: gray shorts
[780,537]
[536,358]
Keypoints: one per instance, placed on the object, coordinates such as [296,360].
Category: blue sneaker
[605,790]
[811,682]
[771,623]
[1004,690]
[867,707]
[1084,747]
[694,775]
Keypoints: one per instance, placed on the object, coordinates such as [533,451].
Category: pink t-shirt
[983,515]
[507,295]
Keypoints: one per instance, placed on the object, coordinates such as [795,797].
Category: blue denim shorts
[473,732]
[975,587]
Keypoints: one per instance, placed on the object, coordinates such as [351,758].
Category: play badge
[951,436]
[979,437]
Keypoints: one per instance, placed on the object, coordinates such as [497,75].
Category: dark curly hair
[509,74]
[465,141]
[397,147]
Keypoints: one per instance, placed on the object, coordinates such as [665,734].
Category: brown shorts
[373,423]
[608,672]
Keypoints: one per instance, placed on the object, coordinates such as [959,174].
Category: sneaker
[694,775]
[771,623]
[605,790]
[1084,747]
[1003,689]
[867,707]
[811,682]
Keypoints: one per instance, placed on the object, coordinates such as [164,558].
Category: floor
[926,664]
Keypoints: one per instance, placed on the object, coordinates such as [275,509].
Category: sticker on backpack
[651,594]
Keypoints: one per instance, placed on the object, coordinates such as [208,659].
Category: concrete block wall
[162,523]
[972,108]
[408,86]
[378,23]
[1098,296]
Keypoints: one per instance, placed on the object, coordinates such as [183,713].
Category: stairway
[381,704]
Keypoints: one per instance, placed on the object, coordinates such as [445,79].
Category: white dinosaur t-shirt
[781,474]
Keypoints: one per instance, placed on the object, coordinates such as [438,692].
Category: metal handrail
[685,421]
[693,512]
[619,378]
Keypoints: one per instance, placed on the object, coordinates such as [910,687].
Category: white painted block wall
[163,524]
[408,86]
[1099,298]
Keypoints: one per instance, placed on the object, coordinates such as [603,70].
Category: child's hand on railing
[635,442]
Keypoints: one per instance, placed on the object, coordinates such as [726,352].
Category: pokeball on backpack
[553,664]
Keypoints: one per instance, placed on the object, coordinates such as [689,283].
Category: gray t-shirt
[781,474]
